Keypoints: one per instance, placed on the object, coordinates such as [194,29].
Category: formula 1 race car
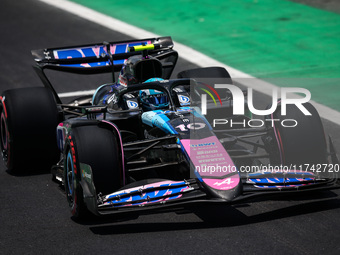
[147,143]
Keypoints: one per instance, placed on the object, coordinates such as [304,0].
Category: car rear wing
[99,57]
[103,57]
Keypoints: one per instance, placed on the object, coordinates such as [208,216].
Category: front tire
[97,147]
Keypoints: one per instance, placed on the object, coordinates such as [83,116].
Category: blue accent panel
[135,44]
[292,180]
[196,112]
[172,130]
[161,121]
[147,117]
[268,180]
[279,186]
[88,52]
[118,62]
[151,194]
[121,48]
[96,64]
[279,180]
[271,173]
[157,118]
[64,54]
[164,117]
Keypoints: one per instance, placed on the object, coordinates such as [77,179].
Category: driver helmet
[152,99]
[138,69]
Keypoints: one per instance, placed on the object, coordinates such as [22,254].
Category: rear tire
[210,76]
[29,117]
[97,147]
[303,144]
[206,72]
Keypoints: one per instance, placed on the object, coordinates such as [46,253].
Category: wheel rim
[70,178]
[4,138]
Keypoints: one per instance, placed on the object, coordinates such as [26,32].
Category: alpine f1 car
[143,144]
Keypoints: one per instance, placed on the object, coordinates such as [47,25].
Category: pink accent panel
[186,145]
[82,53]
[113,48]
[209,156]
[223,184]
[96,51]
[212,160]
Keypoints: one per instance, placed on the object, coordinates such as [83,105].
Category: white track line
[185,52]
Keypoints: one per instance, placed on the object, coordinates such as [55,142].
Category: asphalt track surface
[34,216]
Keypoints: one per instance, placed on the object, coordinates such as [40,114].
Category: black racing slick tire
[29,118]
[302,144]
[97,147]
